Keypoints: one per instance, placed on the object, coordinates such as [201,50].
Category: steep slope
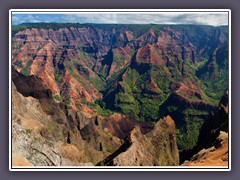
[212,146]
[49,133]
[28,146]
[46,132]
[144,71]
[213,156]
[156,148]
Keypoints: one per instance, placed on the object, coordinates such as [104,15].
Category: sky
[211,18]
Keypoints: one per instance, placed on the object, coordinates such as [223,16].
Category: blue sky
[215,19]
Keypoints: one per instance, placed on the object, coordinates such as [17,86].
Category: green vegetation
[187,137]
[137,29]
[104,112]
[124,98]
[109,136]
[56,130]
[57,76]
[143,103]
[118,59]
[25,70]
[78,105]
[161,78]
[216,87]
[115,75]
[86,58]
[104,73]
[18,63]
[57,97]
[135,98]
[97,82]
[69,66]
[99,105]
[29,132]
[71,71]
[74,67]
[67,101]
[53,26]
[188,121]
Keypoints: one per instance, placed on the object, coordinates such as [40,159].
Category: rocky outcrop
[213,156]
[183,104]
[47,133]
[212,146]
[68,59]
[215,123]
[156,148]
[30,85]
[27,124]
[40,141]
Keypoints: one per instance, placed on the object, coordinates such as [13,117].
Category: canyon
[115,94]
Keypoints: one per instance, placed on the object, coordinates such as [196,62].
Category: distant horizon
[163,18]
[113,24]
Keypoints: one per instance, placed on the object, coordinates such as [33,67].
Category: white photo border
[115,168]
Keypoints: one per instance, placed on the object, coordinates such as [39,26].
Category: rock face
[156,148]
[28,146]
[214,156]
[49,133]
[46,133]
[212,147]
[215,123]
[77,62]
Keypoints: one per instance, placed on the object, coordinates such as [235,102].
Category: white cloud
[15,18]
[214,18]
